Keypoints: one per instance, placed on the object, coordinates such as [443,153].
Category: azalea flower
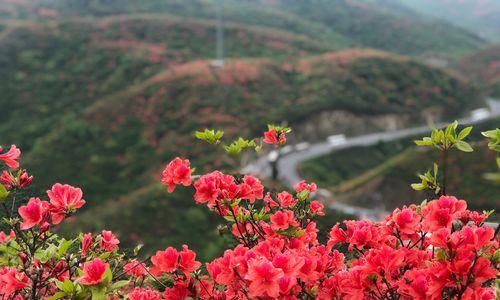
[143,294]
[108,241]
[86,243]
[273,137]
[34,213]
[302,186]
[64,199]
[11,281]
[93,272]
[11,157]
[176,172]
[135,268]
[317,208]
[5,238]
[264,278]
[442,212]
[187,262]
[165,261]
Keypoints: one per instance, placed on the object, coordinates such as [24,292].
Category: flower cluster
[64,200]
[436,250]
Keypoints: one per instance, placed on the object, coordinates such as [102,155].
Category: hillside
[119,142]
[65,66]
[101,95]
[378,25]
[159,115]
[336,22]
[483,66]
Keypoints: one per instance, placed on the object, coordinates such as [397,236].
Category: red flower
[251,188]
[176,172]
[187,263]
[282,220]
[10,157]
[5,238]
[302,186]
[22,179]
[441,213]
[64,199]
[273,137]
[165,261]
[108,241]
[215,186]
[285,199]
[384,261]
[317,208]
[86,243]
[34,213]
[11,281]
[135,268]
[415,283]
[206,189]
[93,272]
[178,292]
[406,220]
[7,179]
[143,294]
[264,278]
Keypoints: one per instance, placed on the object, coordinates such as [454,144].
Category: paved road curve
[288,163]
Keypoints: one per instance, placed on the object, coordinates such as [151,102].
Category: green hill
[118,144]
[340,23]
[65,66]
[101,98]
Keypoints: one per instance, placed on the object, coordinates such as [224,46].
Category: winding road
[288,163]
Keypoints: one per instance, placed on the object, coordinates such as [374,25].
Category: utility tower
[219,35]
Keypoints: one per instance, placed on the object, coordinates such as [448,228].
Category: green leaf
[67,286]
[98,294]
[3,193]
[210,136]
[464,146]
[105,255]
[119,284]
[107,277]
[229,218]
[200,135]
[424,142]
[417,186]
[489,134]
[58,295]
[303,195]
[64,246]
[464,133]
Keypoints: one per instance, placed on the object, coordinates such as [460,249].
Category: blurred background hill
[102,93]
